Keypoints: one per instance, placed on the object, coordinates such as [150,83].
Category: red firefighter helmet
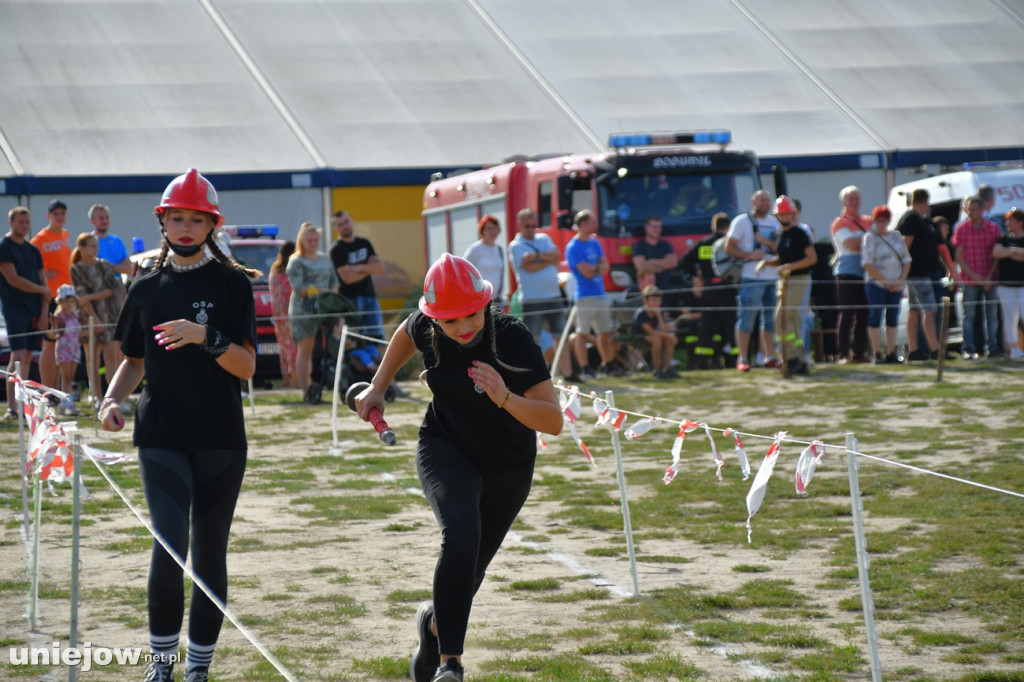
[784,205]
[453,288]
[191,191]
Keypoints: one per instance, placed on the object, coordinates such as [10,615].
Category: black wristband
[215,344]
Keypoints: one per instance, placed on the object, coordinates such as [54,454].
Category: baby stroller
[331,309]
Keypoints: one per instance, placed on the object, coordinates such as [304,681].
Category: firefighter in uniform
[715,298]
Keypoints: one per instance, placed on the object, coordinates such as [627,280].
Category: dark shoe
[611,369]
[313,394]
[859,360]
[159,671]
[918,355]
[587,373]
[794,367]
[573,379]
[451,671]
[892,359]
[428,654]
[198,675]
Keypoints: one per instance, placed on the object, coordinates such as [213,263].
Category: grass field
[330,555]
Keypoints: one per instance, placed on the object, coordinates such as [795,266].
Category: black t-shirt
[924,252]
[793,243]
[644,316]
[663,279]
[27,263]
[1011,272]
[490,436]
[356,252]
[189,402]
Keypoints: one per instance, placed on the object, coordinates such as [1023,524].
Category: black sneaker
[451,671]
[201,674]
[428,654]
[918,355]
[794,367]
[892,359]
[612,369]
[159,671]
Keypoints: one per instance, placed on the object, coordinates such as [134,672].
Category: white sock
[198,655]
[164,647]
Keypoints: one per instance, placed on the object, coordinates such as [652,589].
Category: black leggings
[208,481]
[475,509]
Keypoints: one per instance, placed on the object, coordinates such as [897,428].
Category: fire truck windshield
[685,202]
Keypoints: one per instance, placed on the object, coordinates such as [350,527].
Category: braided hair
[211,244]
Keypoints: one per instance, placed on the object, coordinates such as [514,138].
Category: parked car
[254,246]
[955,337]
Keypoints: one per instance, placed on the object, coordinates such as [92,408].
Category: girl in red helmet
[477,445]
[795,256]
[188,327]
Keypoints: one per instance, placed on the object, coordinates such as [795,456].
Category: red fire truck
[684,178]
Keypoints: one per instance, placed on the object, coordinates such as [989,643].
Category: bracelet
[214,344]
[105,403]
[508,394]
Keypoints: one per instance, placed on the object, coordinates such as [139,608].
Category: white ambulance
[946,191]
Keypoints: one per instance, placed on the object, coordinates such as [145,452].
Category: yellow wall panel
[390,218]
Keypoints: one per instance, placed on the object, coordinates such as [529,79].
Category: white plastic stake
[76,516]
[609,398]
[336,448]
[862,557]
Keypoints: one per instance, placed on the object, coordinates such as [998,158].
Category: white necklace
[185,268]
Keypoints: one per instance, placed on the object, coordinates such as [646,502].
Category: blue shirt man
[111,248]
[588,264]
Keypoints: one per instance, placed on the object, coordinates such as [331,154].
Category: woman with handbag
[101,294]
[310,273]
[886,264]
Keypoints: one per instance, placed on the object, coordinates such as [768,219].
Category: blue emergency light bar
[652,139]
[251,230]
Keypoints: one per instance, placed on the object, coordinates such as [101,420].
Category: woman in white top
[487,255]
[886,264]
